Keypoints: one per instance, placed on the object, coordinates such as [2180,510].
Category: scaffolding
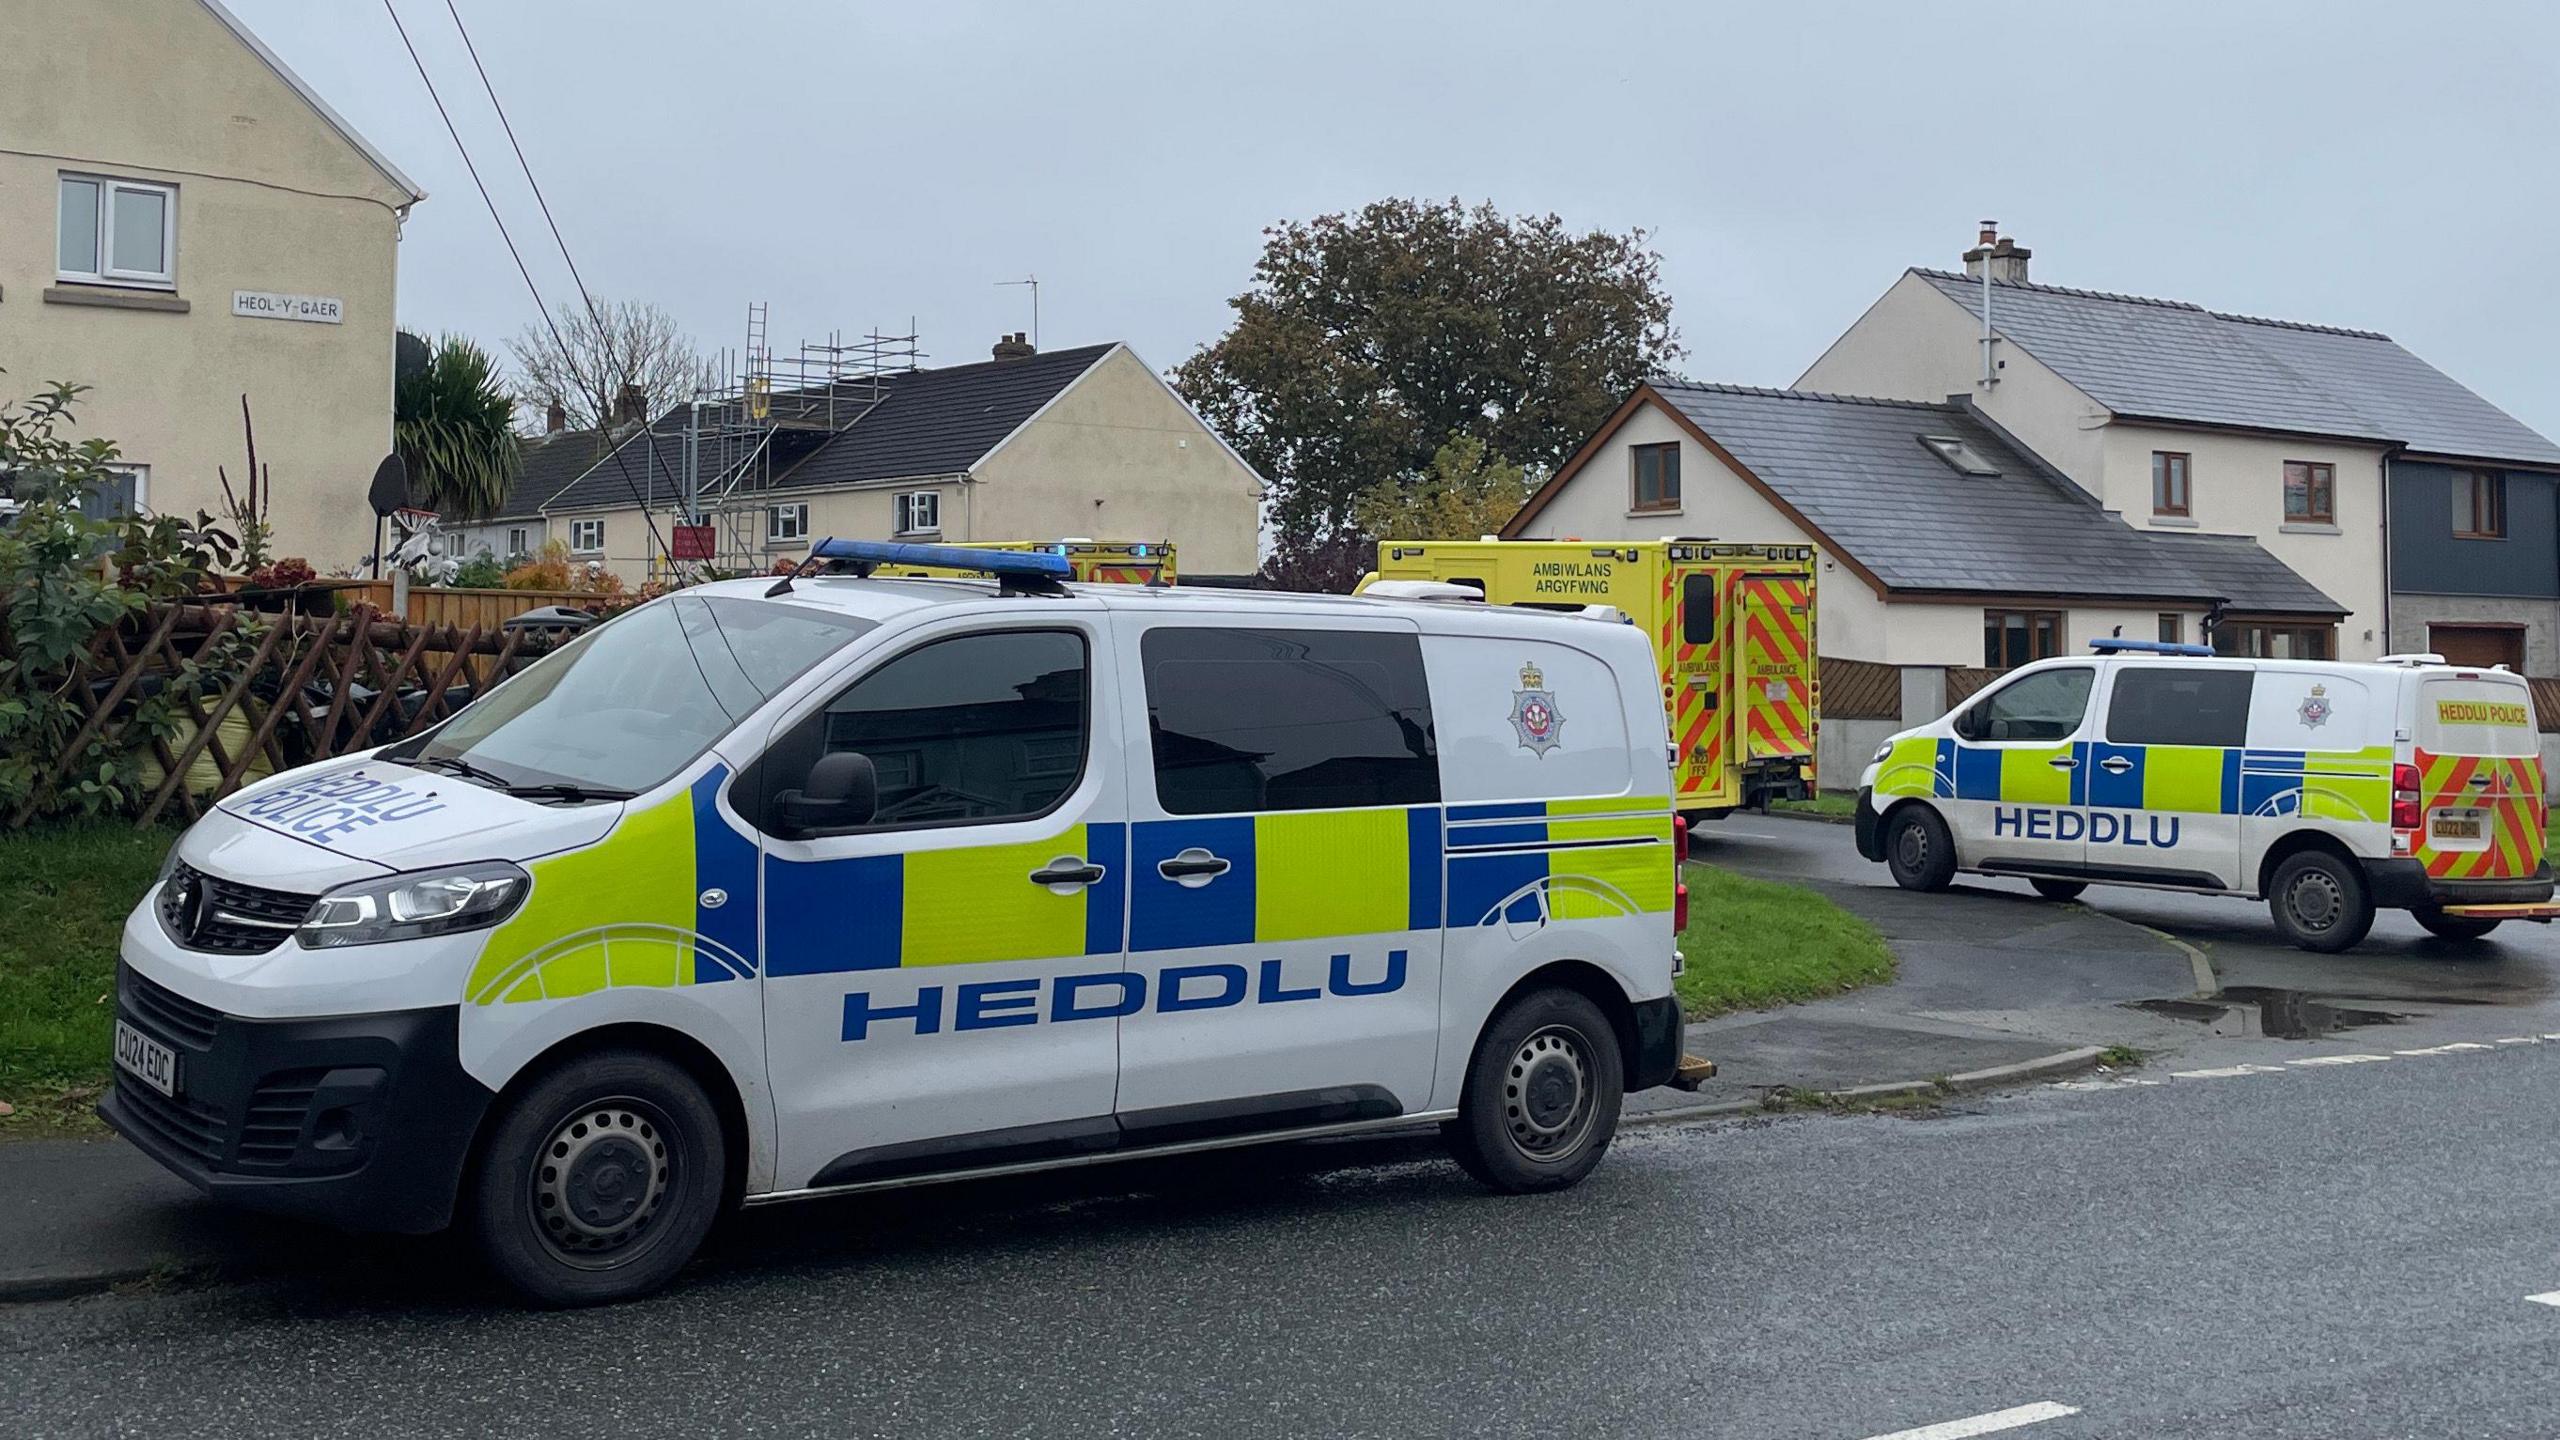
[756,414]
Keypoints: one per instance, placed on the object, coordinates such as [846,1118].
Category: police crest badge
[2315,708]
[1534,716]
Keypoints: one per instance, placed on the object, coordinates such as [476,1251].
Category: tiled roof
[2169,360]
[1857,471]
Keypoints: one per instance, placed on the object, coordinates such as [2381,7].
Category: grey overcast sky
[2386,166]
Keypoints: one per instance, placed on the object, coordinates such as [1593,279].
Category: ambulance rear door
[1699,674]
[1775,630]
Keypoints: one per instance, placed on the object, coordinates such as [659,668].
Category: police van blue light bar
[2112,646]
[1039,564]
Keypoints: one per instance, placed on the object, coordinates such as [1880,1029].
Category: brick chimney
[556,419]
[632,404]
[1013,347]
[2006,257]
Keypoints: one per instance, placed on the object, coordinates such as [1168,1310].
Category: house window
[122,490]
[2480,505]
[116,232]
[2169,483]
[2173,628]
[1656,479]
[515,542]
[2014,637]
[2310,492]
[784,524]
[2275,640]
[919,513]
[586,537]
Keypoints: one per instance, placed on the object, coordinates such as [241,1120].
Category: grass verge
[1824,805]
[64,893]
[1753,943]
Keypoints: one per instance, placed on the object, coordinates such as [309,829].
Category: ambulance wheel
[1542,1095]
[2320,902]
[2451,927]
[2059,889]
[1918,849]
[599,1180]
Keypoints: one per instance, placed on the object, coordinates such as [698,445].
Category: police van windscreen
[632,701]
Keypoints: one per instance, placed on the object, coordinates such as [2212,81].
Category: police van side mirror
[1968,724]
[842,792]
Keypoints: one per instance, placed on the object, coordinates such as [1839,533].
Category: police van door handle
[1067,872]
[2064,762]
[2115,764]
[1193,868]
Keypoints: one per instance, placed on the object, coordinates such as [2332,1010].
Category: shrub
[481,572]
[552,569]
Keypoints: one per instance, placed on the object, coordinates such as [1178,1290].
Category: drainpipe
[2387,646]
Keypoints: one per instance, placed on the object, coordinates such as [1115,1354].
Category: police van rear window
[1245,720]
[2476,717]
[2155,704]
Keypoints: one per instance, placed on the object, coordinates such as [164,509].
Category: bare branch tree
[637,345]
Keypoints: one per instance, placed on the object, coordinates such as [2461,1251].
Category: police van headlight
[407,907]
[1883,753]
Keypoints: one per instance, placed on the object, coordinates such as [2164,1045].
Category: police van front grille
[164,1012]
[191,1125]
[206,912]
[271,1130]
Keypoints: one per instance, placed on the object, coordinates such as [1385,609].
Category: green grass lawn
[1828,804]
[1752,943]
[64,893]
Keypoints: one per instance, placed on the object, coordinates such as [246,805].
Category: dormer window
[1959,456]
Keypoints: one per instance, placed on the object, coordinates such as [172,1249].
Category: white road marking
[2226,1072]
[2339,1060]
[2549,1297]
[2521,1040]
[1741,835]
[1992,1423]
[2455,1048]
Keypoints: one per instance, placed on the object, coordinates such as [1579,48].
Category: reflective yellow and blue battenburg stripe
[1530,860]
[626,911]
[2194,779]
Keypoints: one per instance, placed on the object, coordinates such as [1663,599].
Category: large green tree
[1369,341]
[453,424]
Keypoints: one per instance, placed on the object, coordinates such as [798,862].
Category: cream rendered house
[183,221]
[1086,442]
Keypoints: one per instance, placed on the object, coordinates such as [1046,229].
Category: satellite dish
[390,490]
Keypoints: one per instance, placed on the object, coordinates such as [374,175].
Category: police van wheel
[1918,849]
[2320,902]
[2059,889]
[1542,1095]
[2451,927]
[600,1180]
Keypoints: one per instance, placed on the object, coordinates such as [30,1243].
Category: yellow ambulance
[1731,627]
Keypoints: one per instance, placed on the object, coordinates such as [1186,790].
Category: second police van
[2328,789]
[770,890]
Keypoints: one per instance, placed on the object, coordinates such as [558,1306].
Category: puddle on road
[2243,1010]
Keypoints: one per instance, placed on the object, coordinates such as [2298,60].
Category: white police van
[2329,789]
[770,890]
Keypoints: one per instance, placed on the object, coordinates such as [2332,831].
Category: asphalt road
[2336,1251]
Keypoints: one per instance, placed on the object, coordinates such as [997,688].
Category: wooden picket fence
[456,605]
[314,687]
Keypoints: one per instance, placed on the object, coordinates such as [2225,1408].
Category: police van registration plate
[155,1064]
[2459,825]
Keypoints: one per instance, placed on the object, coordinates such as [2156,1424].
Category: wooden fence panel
[1966,681]
[1861,690]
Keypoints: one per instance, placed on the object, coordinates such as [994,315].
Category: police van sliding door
[942,982]
[2165,776]
[1284,877]
[2019,777]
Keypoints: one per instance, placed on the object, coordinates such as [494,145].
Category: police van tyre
[1542,1095]
[2059,889]
[2451,927]
[2320,902]
[1918,849]
[600,1180]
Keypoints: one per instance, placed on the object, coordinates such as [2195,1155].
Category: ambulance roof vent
[1435,590]
[2110,645]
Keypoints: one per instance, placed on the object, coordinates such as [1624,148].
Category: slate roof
[927,423]
[1857,472]
[550,462]
[2169,360]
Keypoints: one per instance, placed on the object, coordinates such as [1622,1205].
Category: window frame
[516,537]
[2173,628]
[2261,631]
[576,527]
[1667,501]
[768,786]
[2061,629]
[2319,484]
[2477,493]
[102,253]
[903,509]
[773,514]
[1255,624]
[2183,462]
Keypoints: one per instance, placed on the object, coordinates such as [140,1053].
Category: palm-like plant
[454,427]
